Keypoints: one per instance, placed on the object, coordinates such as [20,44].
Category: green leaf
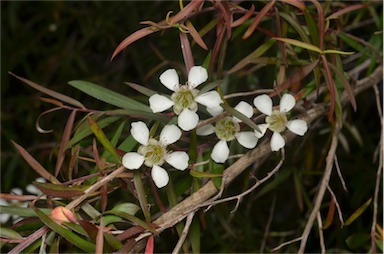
[271,185]
[141,89]
[200,174]
[357,213]
[21,211]
[129,208]
[86,130]
[108,96]
[300,44]
[131,218]
[66,233]
[357,240]
[216,168]
[112,241]
[9,234]
[333,51]
[138,114]
[103,139]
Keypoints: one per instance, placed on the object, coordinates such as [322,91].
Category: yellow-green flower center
[184,98]
[153,153]
[276,121]
[226,128]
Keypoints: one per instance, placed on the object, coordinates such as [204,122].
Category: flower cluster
[185,98]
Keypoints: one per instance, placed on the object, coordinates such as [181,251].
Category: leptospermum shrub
[259,83]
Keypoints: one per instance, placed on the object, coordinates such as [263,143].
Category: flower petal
[205,130]
[178,160]
[264,104]
[287,102]
[140,132]
[210,99]
[170,134]
[220,152]
[247,139]
[159,103]
[297,126]
[244,108]
[132,160]
[170,79]
[187,119]
[159,176]
[196,76]
[215,111]
[277,141]
[263,128]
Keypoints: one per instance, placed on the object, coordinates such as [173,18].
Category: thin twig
[267,227]
[241,195]
[184,233]
[323,186]
[378,174]
[320,226]
[337,205]
[286,243]
[243,94]
[340,175]
[95,187]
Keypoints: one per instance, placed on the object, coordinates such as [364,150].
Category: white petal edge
[187,120]
[132,160]
[159,103]
[263,103]
[297,126]
[33,189]
[220,152]
[170,134]
[159,176]
[263,128]
[210,99]
[215,111]
[196,76]
[140,132]
[287,102]
[205,130]
[170,79]
[244,108]
[247,139]
[277,141]
[178,160]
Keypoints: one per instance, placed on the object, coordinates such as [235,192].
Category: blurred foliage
[52,43]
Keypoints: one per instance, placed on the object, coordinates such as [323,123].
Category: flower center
[226,128]
[276,121]
[184,98]
[154,153]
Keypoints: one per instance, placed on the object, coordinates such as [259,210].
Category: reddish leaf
[59,190]
[194,4]
[187,51]
[196,36]
[320,23]
[130,233]
[35,165]
[225,13]
[244,18]
[150,245]
[346,10]
[258,18]
[134,37]
[331,213]
[89,228]
[299,75]
[331,86]
[297,3]
[64,142]
[100,237]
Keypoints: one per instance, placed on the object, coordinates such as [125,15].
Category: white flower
[228,129]
[185,97]
[276,120]
[4,217]
[153,153]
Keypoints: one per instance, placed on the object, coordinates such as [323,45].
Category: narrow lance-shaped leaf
[103,139]
[258,18]
[195,35]
[330,215]
[54,94]
[60,190]
[108,96]
[65,233]
[35,165]
[345,10]
[357,213]
[64,141]
[149,248]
